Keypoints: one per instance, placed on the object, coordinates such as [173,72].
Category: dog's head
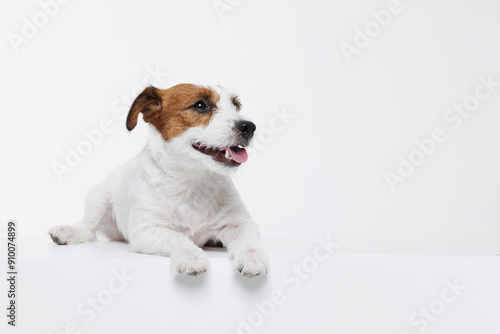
[203,123]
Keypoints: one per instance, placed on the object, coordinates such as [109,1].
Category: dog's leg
[242,242]
[97,216]
[186,257]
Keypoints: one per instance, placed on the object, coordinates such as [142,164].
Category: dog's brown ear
[149,103]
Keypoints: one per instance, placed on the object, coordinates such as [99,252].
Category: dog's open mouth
[230,156]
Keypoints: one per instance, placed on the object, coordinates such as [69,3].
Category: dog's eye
[201,106]
[236,102]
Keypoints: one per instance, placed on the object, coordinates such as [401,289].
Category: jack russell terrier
[177,195]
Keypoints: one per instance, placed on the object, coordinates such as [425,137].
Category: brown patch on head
[172,111]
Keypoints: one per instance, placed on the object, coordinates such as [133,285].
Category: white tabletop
[303,293]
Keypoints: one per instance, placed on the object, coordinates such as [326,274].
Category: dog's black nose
[246,128]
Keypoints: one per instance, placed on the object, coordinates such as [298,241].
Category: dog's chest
[192,204]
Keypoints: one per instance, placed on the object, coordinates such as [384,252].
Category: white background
[323,173]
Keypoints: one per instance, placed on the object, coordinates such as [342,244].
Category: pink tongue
[238,154]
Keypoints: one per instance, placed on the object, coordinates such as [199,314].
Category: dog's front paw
[190,261]
[250,262]
[70,235]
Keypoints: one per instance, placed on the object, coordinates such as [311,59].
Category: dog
[177,195]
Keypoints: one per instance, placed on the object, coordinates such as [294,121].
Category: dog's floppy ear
[149,103]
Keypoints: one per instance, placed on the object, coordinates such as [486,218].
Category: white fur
[171,199]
